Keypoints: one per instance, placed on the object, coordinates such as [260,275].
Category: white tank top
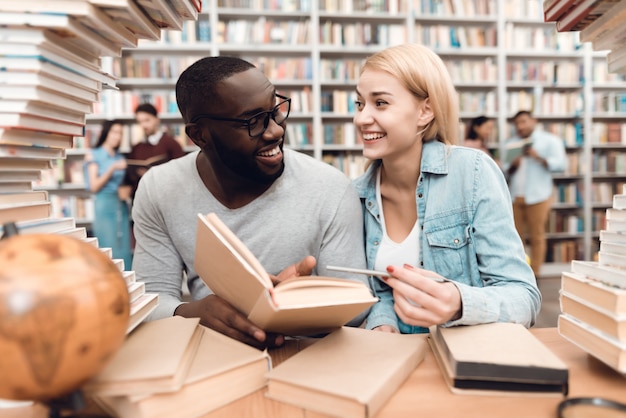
[391,252]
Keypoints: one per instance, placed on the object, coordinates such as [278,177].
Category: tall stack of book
[593,294]
[50,77]
[599,22]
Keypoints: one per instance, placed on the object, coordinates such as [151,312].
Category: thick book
[162,14]
[303,305]
[23,151]
[619,201]
[44,95]
[10,65]
[23,197]
[608,350]
[60,86]
[41,110]
[23,164]
[102,30]
[44,226]
[555,9]
[33,122]
[613,247]
[612,276]
[154,358]
[497,358]
[583,14]
[611,323]
[132,16]
[350,373]
[612,19]
[30,138]
[612,259]
[25,211]
[222,371]
[16,177]
[49,52]
[608,298]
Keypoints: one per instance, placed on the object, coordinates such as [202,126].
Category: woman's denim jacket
[467,235]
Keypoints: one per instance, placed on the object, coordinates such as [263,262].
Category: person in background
[479,133]
[530,182]
[432,209]
[105,169]
[296,214]
[157,147]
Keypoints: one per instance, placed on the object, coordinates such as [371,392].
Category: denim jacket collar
[434,160]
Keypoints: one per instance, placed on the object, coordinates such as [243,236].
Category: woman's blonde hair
[424,74]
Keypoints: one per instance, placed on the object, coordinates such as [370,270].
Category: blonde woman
[433,209]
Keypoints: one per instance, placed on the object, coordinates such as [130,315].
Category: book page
[238,248]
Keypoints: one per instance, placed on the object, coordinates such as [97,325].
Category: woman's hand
[421,300]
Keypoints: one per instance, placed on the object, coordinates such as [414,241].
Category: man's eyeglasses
[258,123]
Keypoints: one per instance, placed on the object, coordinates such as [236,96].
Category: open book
[515,148]
[303,305]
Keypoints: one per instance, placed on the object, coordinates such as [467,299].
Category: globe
[64,311]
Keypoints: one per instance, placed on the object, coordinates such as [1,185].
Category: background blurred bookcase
[502,56]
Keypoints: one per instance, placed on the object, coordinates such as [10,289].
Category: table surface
[426,394]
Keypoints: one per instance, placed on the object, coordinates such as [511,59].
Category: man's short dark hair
[199,81]
[523,113]
[147,108]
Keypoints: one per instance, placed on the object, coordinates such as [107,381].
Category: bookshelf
[502,55]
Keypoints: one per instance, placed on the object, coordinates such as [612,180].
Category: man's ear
[426,113]
[194,132]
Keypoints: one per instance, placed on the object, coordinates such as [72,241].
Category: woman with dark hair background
[105,168]
[479,132]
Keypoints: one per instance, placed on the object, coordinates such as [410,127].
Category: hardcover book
[612,276]
[303,305]
[222,371]
[610,323]
[600,345]
[608,298]
[351,373]
[497,358]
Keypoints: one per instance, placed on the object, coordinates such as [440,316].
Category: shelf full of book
[502,56]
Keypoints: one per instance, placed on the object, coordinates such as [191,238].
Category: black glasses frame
[274,113]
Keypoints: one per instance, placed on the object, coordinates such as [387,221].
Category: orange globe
[64,311]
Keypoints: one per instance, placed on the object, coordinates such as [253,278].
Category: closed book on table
[304,305]
[497,358]
[154,358]
[351,373]
[222,371]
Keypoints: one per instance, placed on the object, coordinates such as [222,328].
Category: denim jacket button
[419,195]
[456,240]
[375,242]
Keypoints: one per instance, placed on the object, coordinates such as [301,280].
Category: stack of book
[176,367]
[593,294]
[50,77]
[599,22]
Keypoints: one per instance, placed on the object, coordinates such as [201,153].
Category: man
[530,182]
[157,147]
[285,206]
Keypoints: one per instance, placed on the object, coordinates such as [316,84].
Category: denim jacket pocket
[449,250]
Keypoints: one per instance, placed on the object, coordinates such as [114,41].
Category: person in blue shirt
[105,170]
[433,209]
[530,182]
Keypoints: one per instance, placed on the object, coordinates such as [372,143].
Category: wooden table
[425,394]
